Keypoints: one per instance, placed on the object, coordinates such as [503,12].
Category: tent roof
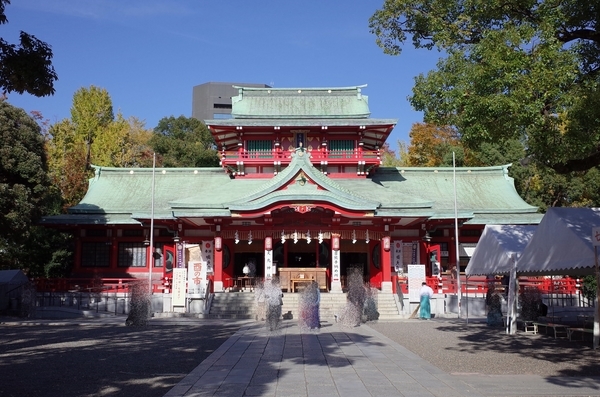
[562,243]
[13,277]
[497,245]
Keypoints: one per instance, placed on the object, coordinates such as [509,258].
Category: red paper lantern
[218,243]
[335,243]
[386,243]
[268,243]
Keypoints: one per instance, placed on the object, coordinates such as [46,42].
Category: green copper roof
[300,103]
[480,190]
[123,196]
[265,122]
[300,172]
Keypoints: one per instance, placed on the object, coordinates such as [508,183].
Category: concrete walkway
[342,361]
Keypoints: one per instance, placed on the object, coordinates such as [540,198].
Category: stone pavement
[342,361]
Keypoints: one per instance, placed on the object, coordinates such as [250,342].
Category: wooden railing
[285,156]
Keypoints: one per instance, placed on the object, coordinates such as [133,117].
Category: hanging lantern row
[296,236]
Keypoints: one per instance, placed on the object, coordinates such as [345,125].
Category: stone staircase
[330,305]
[241,305]
[232,305]
[387,307]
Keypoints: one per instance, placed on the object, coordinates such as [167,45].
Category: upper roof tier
[299,103]
[258,113]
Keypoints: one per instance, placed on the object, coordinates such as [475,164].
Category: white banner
[335,265]
[416,277]
[196,277]
[198,269]
[208,256]
[270,269]
[398,263]
[178,297]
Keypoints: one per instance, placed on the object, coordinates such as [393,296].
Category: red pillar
[218,265]
[386,260]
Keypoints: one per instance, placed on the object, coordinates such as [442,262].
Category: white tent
[562,244]
[496,253]
[10,281]
[497,247]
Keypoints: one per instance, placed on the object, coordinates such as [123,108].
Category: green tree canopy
[25,189]
[26,67]
[514,70]
[24,184]
[184,142]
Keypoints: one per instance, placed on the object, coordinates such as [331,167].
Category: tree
[389,158]
[184,142]
[26,67]
[93,136]
[525,71]
[538,185]
[25,189]
[429,144]
[67,163]
[91,114]
[123,143]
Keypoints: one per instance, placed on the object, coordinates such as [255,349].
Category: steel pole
[458,288]
[151,226]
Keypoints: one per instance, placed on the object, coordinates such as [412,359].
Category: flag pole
[458,288]
[151,262]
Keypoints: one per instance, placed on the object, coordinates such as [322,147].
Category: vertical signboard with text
[269,266]
[179,280]
[199,268]
[416,276]
[397,257]
[335,265]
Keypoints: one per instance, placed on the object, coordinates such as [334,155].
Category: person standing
[426,293]
[315,319]
[274,299]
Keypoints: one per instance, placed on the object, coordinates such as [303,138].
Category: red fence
[445,285]
[480,284]
[99,285]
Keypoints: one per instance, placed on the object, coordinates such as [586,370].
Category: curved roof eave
[309,198]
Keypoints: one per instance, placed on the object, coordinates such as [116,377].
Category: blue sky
[149,54]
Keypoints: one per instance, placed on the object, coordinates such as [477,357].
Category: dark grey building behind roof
[213,100]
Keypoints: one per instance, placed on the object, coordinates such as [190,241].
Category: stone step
[242,305]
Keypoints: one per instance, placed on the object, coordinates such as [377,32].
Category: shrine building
[300,185]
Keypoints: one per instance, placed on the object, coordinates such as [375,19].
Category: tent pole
[597,311]
[511,315]
[467,296]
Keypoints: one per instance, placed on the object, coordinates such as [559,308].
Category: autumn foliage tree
[93,135]
[389,157]
[430,144]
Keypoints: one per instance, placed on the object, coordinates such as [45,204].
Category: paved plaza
[191,357]
[341,361]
